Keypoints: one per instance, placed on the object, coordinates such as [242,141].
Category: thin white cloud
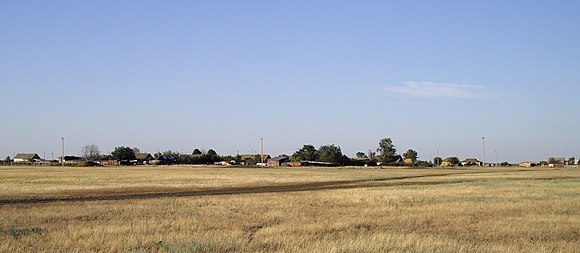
[433,89]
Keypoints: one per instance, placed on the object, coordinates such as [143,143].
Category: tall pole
[483,149]
[262,151]
[62,157]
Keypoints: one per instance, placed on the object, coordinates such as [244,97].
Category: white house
[26,158]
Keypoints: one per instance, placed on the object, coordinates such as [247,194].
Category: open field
[184,209]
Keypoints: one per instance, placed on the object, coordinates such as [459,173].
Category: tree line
[385,154]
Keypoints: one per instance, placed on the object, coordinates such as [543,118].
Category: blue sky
[432,75]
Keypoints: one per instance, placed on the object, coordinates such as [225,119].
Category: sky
[434,76]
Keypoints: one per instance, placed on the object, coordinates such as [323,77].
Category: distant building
[143,158]
[163,160]
[26,158]
[277,161]
[471,162]
[69,159]
[253,159]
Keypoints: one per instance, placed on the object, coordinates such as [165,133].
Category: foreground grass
[496,212]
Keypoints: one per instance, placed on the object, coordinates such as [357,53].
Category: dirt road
[138,193]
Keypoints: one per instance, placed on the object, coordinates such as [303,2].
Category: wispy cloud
[433,89]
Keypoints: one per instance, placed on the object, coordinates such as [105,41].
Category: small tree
[123,153]
[437,161]
[91,152]
[452,160]
[7,160]
[411,154]
[372,156]
[211,152]
[361,155]
[571,161]
[211,156]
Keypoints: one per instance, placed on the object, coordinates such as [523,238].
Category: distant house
[164,160]
[278,161]
[253,159]
[471,162]
[69,159]
[26,158]
[143,158]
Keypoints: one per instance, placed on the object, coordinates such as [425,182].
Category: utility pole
[62,157]
[483,149]
[262,151]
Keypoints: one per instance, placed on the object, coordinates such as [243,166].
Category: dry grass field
[195,209]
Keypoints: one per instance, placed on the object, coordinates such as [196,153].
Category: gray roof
[279,158]
[143,156]
[27,156]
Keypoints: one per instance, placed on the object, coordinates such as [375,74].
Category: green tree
[346,161]
[553,160]
[423,164]
[437,161]
[258,159]
[329,154]
[452,160]
[361,155]
[306,153]
[387,151]
[411,154]
[123,153]
[211,152]
[7,159]
[571,161]
[211,156]
[196,152]
[372,156]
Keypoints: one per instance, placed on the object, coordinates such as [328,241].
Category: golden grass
[19,182]
[536,211]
